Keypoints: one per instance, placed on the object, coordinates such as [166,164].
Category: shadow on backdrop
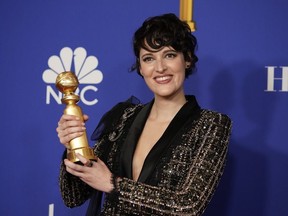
[243,189]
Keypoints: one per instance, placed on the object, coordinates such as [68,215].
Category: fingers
[67,121]
[97,176]
[70,127]
[89,163]
[85,117]
[84,160]
[76,169]
[65,138]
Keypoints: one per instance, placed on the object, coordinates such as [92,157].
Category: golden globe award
[67,83]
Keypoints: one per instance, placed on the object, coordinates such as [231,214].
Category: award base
[88,153]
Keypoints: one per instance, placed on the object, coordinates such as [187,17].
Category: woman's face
[163,71]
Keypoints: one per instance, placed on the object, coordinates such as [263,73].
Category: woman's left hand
[97,176]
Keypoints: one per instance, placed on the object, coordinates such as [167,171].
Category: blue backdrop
[242,71]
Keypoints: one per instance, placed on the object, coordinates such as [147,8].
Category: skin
[164,73]
[98,176]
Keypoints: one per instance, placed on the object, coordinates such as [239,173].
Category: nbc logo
[84,67]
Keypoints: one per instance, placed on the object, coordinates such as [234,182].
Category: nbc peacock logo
[85,68]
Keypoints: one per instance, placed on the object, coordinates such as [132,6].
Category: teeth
[162,78]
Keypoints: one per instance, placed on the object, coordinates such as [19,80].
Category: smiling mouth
[163,79]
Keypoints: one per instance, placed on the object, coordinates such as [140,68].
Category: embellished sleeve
[75,192]
[198,182]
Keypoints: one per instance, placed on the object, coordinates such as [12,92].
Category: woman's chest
[151,134]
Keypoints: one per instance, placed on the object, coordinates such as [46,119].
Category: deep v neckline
[187,111]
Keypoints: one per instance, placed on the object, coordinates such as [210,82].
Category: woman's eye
[171,55]
[147,59]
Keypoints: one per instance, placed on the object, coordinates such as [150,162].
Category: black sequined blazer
[179,175]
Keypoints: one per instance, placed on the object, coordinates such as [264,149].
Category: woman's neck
[164,109]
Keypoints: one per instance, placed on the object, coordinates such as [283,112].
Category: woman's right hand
[70,127]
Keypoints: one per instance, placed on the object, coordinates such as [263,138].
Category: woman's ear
[188,61]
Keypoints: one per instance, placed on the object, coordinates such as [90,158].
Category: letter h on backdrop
[281,77]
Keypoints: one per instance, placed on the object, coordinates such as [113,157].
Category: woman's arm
[74,190]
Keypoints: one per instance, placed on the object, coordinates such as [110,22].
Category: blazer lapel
[190,110]
[187,113]
[131,140]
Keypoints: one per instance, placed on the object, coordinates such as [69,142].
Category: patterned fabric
[184,176]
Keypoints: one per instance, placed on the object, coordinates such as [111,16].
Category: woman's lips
[163,79]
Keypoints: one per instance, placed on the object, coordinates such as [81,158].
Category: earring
[187,66]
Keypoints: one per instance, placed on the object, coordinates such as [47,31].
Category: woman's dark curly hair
[165,30]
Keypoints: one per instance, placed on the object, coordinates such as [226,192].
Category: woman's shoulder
[123,109]
[131,102]
[215,117]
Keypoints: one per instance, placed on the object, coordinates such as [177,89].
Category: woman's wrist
[114,183]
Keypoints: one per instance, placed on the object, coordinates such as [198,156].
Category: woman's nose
[160,66]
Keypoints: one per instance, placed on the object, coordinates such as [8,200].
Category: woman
[162,158]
